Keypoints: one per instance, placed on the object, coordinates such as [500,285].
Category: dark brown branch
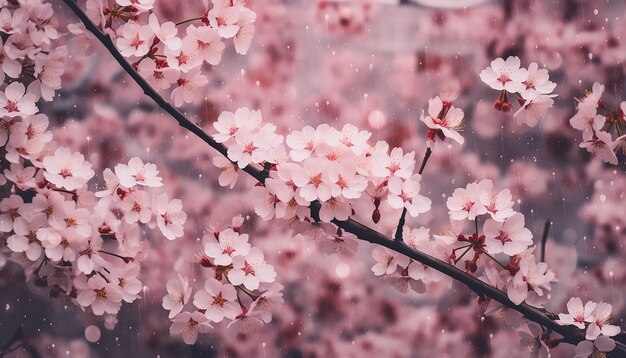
[544,239]
[570,333]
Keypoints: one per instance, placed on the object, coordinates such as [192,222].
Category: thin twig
[544,239]
[570,333]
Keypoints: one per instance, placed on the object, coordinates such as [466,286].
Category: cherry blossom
[66,169]
[251,270]
[600,322]
[387,261]
[170,217]
[178,294]
[577,314]
[138,173]
[102,296]
[188,325]
[165,32]
[443,120]
[406,195]
[597,348]
[465,202]
[16,101]
[229,245]
[505,75]
[510,236]
[135,40]
[602,146]
[218,300]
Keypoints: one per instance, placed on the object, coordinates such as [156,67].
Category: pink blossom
[505,75]
[600,322]
[229,245]
[126,278]
[577,314]
[218,300]
[602,146]
[405,194]
[534,342]
[170,216]
[510,236]
[136,207]
[387,261]
[178,294]
[314,181]
[66,169]
[189,325]
[228,176]
[533,110]
[138,173]
[250,270]
[537,82]
[135,40]
[224,19]
[188,84]
[597,348]
[16,101]
[207,42]
[102,296]
[451,120]
[465,202]
[166,32]
[25,238]
[11,208]
[499,206]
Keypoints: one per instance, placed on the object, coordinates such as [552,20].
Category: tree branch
[570,333]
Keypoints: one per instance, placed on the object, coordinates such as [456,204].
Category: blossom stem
[400,227]
[570,333]
[544,239]
[188,20]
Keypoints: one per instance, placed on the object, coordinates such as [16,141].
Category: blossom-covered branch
[403,190]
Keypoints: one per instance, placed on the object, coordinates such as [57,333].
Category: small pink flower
[102,296]
[66,169]
[228,176]
[405,194]
[598,348]
[600,322]
[170,216]
[217,300]
[189,325]
[224,19]
[16,101]
[207,43]
[136,207]
[588,121]
[505,75]
[577,314]
[165,32]
[451,120]
[500,206]
[138,173]
[178,294]
[387,261]
[465,202]
[602,146]
[135,40]
[188,85]
[250,270]
[509,237]
[230,244]
[537,82]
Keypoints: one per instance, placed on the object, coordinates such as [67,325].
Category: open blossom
[533,110]
[602,146]
[505,75]
[224,19]
[499,206]
[405,194]
[170,216]
[577,314]
[228,176]
[25,237]
[387,261]
[188,85]
[598,348]
[135,40]
[103,297]
[217,300]
[537,82]
[314,181]
[160,78]
[178,294]
[230,244]
[138,173]
[534,341]
[11,209]
[16,101]
[136,207]
[443,121]
[532,281]
[588,121]
[465,202]
[188,325]
[510,236]
[251,270]
[66,169]
[600,322]
[207,43]
[166,32]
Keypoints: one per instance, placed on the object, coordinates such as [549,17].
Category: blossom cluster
[83,244]
[531,87]
[161,53]
[503,237]
[334,167]
[240,287]
[596,122]
[345,17]
[595,319]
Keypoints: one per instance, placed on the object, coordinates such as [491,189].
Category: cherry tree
[217,196]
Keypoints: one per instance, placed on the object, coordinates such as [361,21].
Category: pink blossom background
[376,70]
